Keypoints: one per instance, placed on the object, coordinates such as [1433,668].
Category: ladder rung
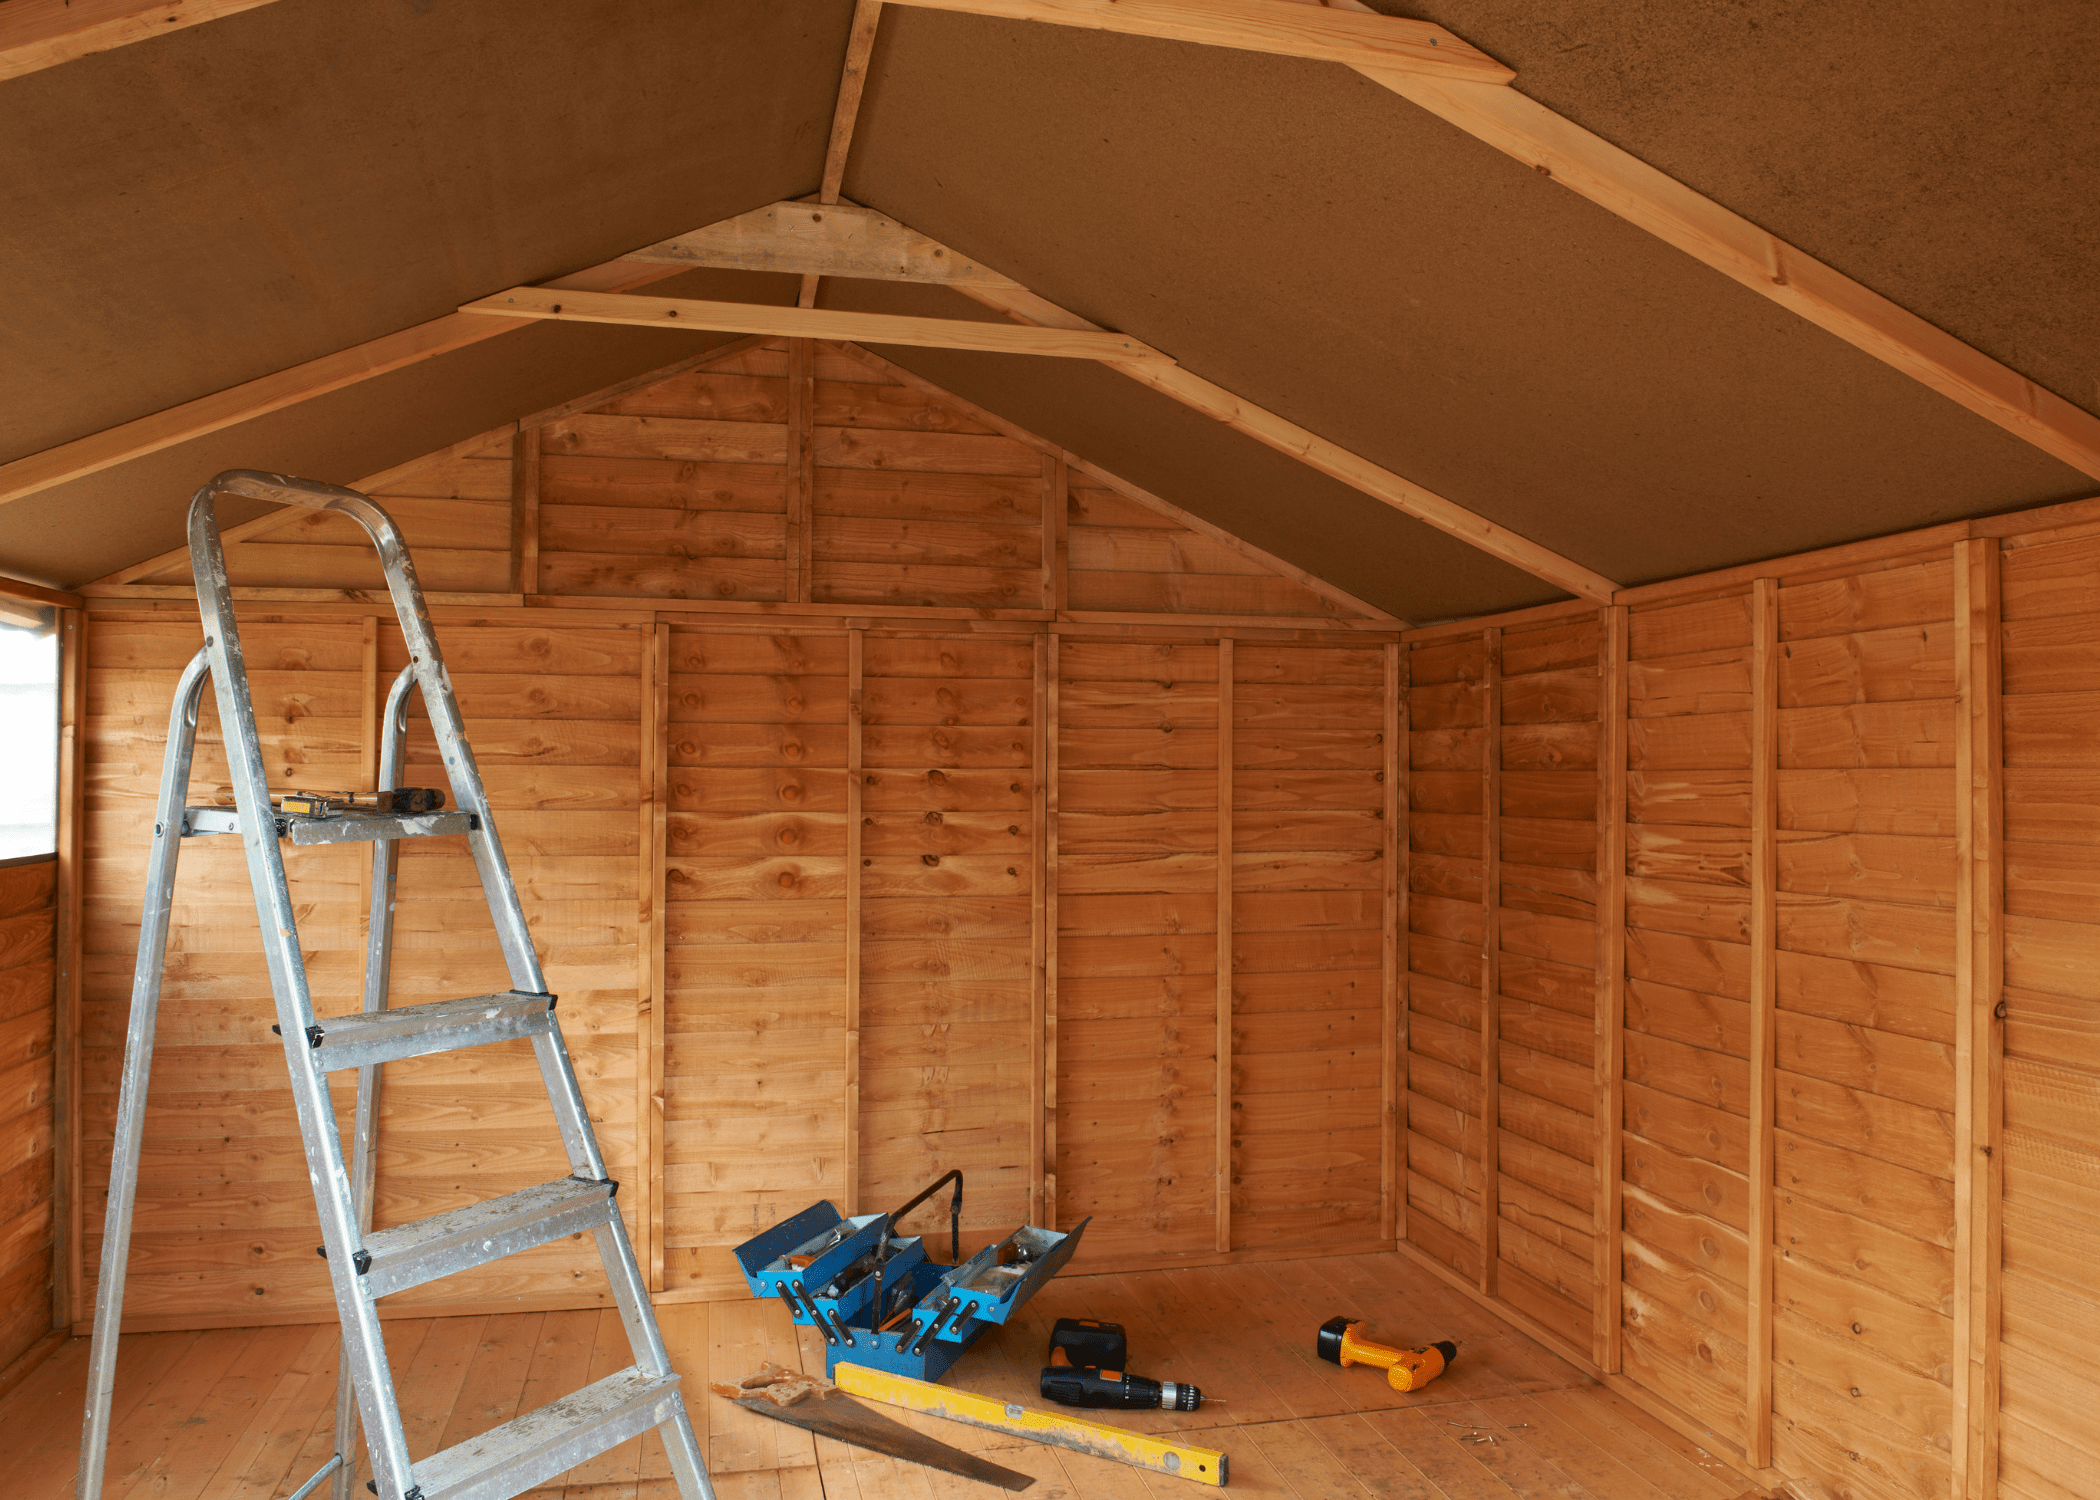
[463,1238]
[383,1036]
[526,1451]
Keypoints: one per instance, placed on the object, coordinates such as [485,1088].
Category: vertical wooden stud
[855,779]
[1979,1029]
[69,1216]
[1392,1196]
[1764,990]
[801,465]
[1491,963]
[1055,520]
[1046,873]
[1609,1043]
[1222,1007]
[525,512]
[655,800]
[1038,912]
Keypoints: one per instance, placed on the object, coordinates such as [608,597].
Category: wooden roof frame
[1422,62]
[133,581]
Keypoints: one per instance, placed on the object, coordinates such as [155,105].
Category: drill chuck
[1083,1386]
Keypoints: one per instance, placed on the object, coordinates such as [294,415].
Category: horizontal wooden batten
[24,592]
[1273,26]
[811,322]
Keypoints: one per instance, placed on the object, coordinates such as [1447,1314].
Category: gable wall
[778,749]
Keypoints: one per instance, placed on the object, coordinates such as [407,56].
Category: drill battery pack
[1085,1344]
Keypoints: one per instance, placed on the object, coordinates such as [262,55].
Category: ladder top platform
[350,825]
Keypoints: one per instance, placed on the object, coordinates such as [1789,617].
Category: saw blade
[836,1415]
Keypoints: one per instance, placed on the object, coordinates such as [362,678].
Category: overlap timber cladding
[1308,986]
[755,1034]
[1502,873]
[28,1032]
[857,899]
[225,1214]
[454,510]
[2050,1440]
[1137,943]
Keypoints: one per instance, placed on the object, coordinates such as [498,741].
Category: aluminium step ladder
[365,1264]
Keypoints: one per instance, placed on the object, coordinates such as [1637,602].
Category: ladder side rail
[138,1067]
[286,965]
[379,948]
[468,794]
[429,663]
[379,958]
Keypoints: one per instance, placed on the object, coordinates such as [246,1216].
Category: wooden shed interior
[1438,658]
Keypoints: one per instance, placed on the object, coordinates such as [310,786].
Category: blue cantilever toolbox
[877,1298]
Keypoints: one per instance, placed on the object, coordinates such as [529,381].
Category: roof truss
[1418,60]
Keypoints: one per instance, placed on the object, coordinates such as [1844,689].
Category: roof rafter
[1281,27]
[1657,202]
[1330,458]
[317,377]
[791,249]
[812,323]
[36,34]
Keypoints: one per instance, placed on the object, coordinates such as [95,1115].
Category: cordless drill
[1086,1369]
[1405,1369]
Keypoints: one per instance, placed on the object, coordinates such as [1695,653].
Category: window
[28,730]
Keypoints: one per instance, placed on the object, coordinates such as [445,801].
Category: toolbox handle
[954,1212]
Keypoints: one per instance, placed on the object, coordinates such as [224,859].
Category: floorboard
[247,1414]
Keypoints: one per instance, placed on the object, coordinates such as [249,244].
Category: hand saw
[834,1414]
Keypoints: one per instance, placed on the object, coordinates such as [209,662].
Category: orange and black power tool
[1086,1369]
[1405,1369]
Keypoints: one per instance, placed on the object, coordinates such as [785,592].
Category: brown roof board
[229,200]
[1322,247]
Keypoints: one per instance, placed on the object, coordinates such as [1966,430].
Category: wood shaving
[768,1374]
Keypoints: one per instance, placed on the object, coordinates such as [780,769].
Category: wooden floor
[246,1414]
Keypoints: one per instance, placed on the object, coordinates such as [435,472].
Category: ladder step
[348,826]
[463,1238]
[383,1036]
[527,1451]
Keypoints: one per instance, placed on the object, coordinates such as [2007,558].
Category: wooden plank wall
[1137,949]
[1307,918]
[999,816]
[756,914]
[2049,1092]
[1846,1035]
[28,1036]
[1502,874]
[793,874]
[1685,1151]
[224,1225]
